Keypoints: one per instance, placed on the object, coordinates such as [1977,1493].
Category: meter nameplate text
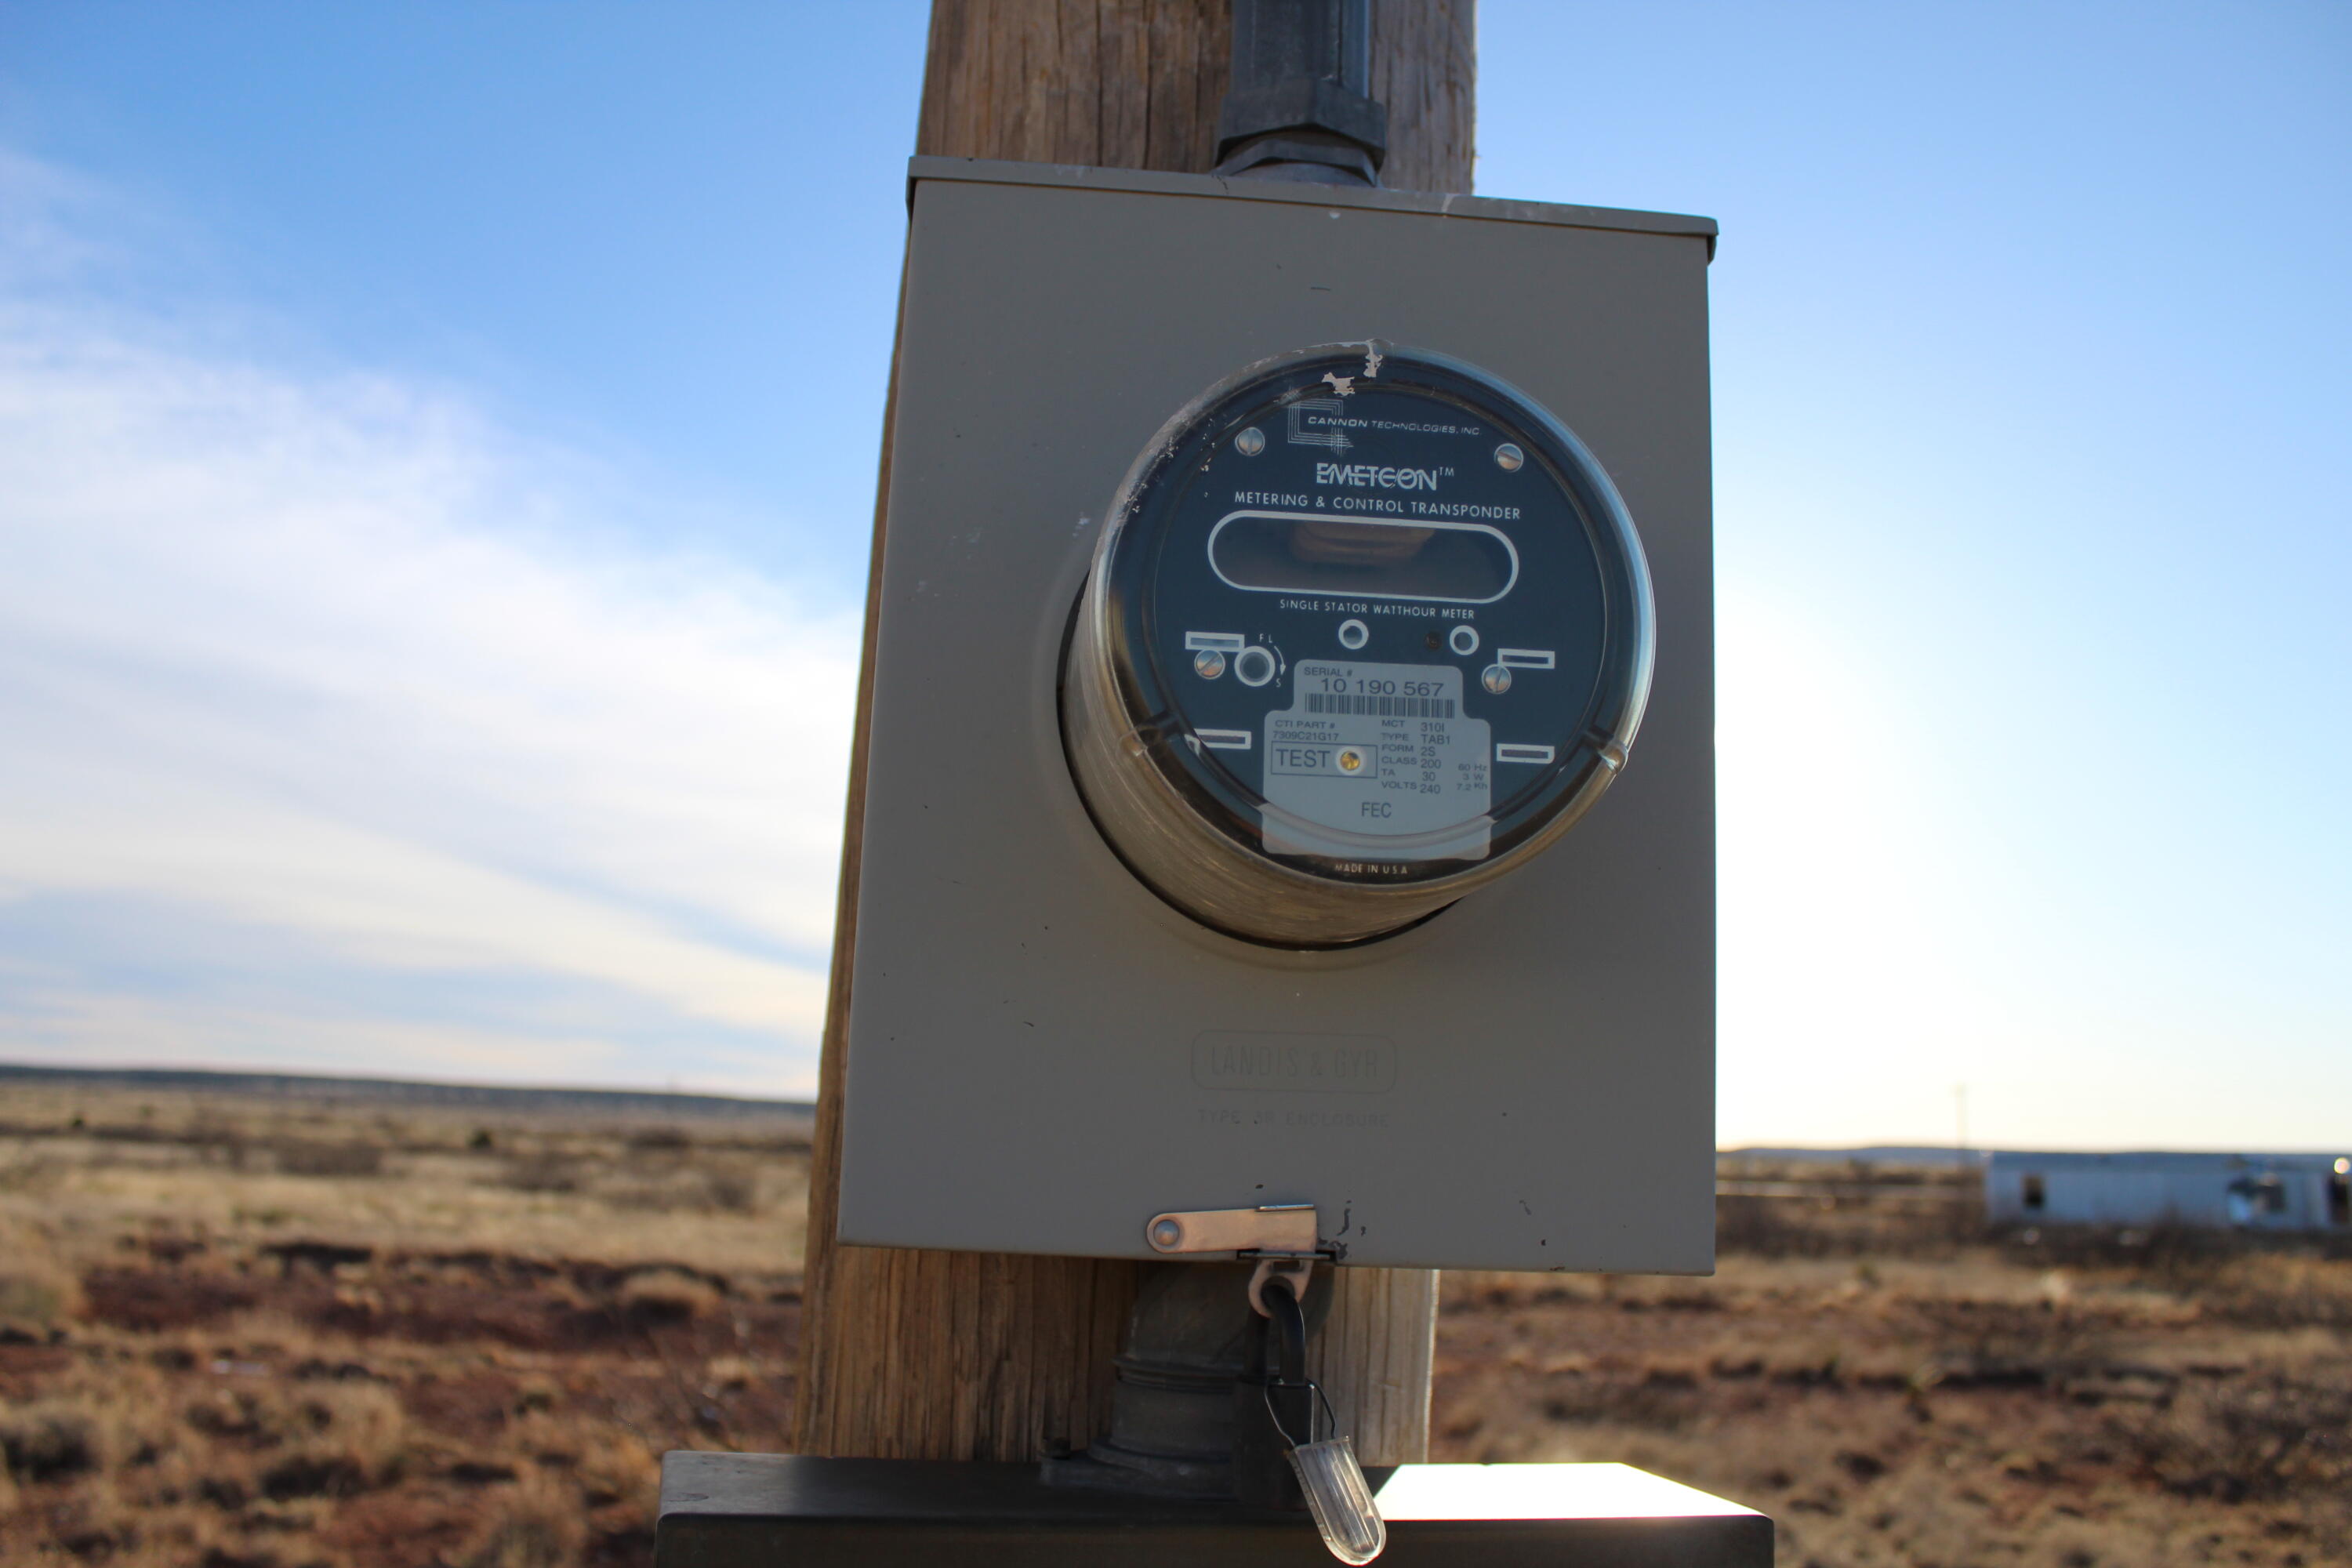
[1382,749]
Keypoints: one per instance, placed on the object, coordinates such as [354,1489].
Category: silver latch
[1280,1237]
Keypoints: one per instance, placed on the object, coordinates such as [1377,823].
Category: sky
[436,458]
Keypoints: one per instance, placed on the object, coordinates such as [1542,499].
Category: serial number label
[1378,749]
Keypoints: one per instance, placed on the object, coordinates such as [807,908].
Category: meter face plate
[1394,612]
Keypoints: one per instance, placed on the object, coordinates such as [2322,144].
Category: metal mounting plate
[752,1510]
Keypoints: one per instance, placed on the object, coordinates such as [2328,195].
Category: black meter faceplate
[1374,618]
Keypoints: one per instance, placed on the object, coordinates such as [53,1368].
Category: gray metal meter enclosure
[1234,828]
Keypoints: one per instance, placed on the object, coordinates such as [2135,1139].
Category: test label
[1380,749]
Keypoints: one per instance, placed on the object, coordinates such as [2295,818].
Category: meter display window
[1367,628]
[1283,552]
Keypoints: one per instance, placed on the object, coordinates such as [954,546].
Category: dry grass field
[262,1333]
[266,1332]
[1894,1399]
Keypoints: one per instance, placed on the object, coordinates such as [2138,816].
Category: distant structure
[2240,1192]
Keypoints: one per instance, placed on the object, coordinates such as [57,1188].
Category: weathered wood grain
[1117,84]
[946,1355]
[1425,68]
[1372,1358]
[1135,84]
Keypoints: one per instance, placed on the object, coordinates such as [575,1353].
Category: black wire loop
[1289,1323]
[1289,1318]
[1322,1401]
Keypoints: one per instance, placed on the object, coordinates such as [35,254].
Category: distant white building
[2243,1191]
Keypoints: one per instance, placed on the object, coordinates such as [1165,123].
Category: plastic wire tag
[1337,1495]
[1340,1498]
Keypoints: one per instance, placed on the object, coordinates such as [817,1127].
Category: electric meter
[1366,629]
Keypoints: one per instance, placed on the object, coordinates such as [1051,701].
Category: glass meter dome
[1366,629]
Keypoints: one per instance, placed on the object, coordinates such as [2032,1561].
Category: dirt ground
[250,1334]
[263,1334]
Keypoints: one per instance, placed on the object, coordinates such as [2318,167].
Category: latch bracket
[1281,1237]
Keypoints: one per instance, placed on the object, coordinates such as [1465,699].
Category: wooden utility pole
[960,1355]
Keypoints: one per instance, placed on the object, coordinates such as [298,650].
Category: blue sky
[436,447]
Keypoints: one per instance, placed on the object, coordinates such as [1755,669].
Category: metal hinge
[1281,1237]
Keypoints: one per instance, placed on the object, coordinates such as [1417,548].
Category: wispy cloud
[330,659]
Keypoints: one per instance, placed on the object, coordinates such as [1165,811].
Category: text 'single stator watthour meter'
[1267,830]
[1367,628]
